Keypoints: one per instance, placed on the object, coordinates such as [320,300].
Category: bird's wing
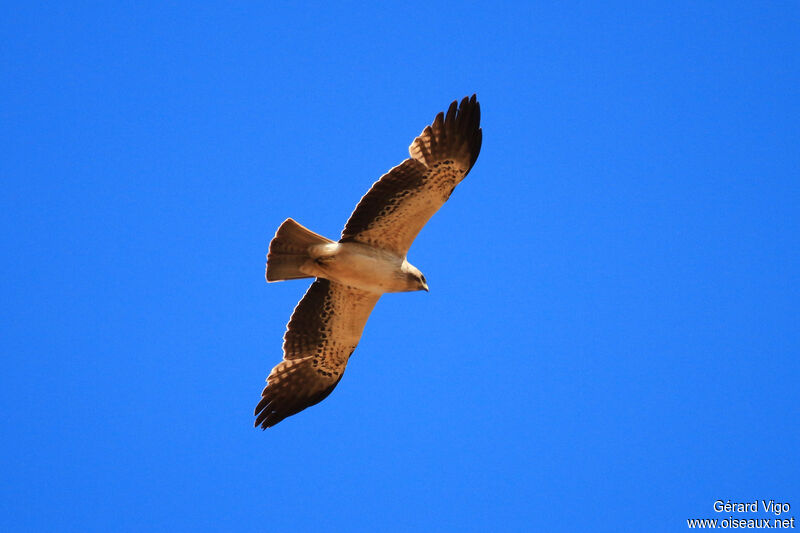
[399,204]
[324,330]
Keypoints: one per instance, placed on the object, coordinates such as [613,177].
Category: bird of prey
[367,261]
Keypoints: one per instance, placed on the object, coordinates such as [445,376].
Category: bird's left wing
[399,204]
[321,335]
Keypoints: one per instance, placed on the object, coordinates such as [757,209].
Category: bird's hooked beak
[425,286]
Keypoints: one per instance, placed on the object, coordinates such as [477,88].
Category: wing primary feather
[450,119]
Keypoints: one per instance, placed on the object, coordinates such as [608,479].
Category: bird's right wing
[321,335]
[399,204]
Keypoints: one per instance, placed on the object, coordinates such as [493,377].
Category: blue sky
[611,338]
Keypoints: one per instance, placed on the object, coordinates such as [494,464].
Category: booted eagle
[368,260]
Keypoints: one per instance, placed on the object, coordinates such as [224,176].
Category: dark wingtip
[452,111]
[470,114]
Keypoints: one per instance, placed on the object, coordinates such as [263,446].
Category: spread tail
[289,250]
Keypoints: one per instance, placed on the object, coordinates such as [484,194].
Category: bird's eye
[423,279]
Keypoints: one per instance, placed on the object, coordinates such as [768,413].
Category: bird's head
[415,279]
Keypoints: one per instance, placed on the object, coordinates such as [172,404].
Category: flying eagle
[368,260]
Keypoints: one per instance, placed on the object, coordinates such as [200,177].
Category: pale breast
[357,265]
